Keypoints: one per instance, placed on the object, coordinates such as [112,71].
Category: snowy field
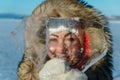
[11,50]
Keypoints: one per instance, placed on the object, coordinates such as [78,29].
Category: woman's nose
[60,48]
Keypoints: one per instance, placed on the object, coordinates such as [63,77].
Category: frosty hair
[62,24]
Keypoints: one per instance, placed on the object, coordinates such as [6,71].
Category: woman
[94,39]
[65,39]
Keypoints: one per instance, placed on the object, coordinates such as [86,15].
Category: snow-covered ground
[115,30]
[11,55]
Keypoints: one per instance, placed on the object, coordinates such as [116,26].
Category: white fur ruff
[58,69]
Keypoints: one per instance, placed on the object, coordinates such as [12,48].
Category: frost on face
[66,47]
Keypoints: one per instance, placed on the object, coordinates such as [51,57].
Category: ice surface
[10,55]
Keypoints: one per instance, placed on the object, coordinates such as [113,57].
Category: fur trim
[35,35]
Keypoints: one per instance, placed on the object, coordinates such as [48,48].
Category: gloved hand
[58,69]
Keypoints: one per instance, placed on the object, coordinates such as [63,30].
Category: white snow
[10,55]
[115,30]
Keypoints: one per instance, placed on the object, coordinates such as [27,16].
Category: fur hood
[96,28]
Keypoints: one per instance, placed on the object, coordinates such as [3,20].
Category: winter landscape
[12,47]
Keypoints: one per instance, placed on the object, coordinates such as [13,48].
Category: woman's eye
[71,39]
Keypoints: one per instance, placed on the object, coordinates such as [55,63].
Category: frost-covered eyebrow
[68,34]
[54,35]
[57,35]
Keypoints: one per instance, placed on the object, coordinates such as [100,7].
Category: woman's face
[65,45]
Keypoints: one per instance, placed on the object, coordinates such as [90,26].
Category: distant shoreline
[114,21]
[12,16]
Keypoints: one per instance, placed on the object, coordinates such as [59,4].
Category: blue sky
[107,7]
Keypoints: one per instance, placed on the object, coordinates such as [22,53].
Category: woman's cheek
[52,49]
[51,52]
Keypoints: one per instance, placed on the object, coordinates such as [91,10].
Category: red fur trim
[86,53]
[87,44]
